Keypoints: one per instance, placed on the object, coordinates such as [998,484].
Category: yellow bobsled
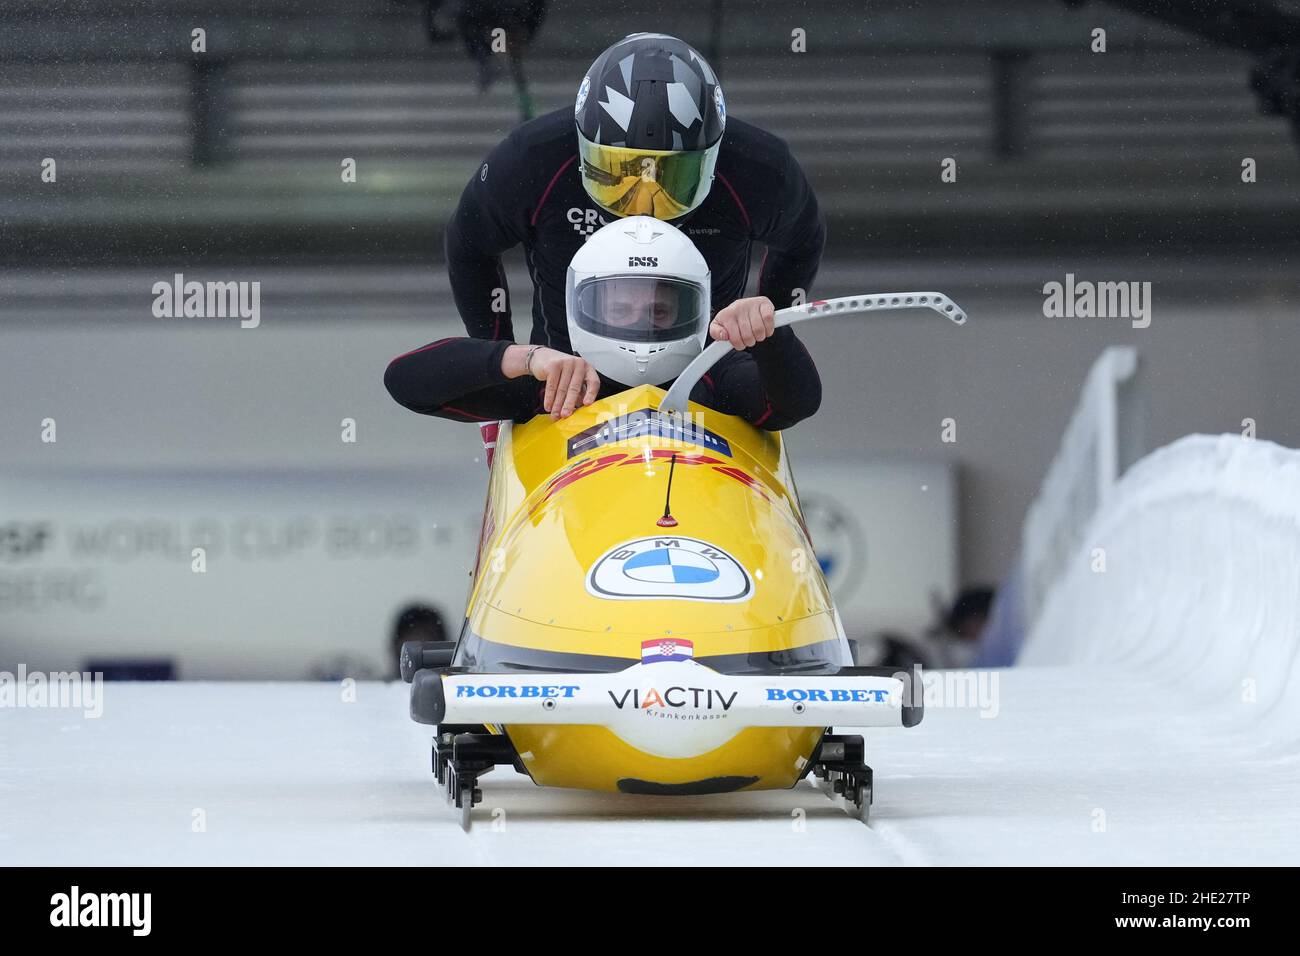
[647,614]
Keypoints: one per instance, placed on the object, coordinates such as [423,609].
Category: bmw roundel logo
[669,567]
[583,90]
[720,103]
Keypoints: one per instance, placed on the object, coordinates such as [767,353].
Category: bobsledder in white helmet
[638,301]
[639,307]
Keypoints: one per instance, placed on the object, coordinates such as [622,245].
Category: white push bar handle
[674,402]
[624,700]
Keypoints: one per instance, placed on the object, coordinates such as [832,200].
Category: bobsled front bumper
[674,690]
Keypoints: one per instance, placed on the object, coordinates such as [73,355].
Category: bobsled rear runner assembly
[647,614]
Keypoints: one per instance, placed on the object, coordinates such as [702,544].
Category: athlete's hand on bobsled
[571,381]
[745,322]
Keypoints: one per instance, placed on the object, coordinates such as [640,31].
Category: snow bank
[1190,573]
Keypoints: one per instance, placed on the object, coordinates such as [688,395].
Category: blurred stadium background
[225,165]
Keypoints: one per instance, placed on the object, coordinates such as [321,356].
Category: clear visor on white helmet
[639,308]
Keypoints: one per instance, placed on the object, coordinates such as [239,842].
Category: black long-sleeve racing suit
[771,385]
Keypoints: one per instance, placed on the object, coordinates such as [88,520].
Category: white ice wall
[1201,582]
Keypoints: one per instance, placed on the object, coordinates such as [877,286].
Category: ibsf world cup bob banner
[230,575]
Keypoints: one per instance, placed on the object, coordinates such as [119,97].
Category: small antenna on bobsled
[668,521]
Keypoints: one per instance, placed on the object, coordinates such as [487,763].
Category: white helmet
[637,297]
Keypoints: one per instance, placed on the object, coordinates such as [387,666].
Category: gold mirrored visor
[641,182]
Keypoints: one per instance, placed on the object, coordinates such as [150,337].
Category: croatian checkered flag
[666,649]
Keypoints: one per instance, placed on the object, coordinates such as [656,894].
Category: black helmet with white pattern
[650,116]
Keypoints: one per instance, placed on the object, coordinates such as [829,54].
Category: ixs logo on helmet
[676,703]
[669,567]
[651,261]
[801,695]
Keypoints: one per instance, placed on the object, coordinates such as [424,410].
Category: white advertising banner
[230,575]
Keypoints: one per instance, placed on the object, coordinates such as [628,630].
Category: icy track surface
[289,774]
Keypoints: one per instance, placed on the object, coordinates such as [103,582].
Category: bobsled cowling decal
[585,467]
[836,695]
[661,650]
[518,691]
[674,702]
[643,423]
[669,567]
